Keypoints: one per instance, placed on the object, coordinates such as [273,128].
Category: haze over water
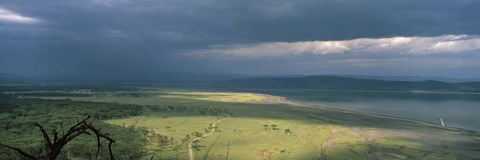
[458,110]
[457,113]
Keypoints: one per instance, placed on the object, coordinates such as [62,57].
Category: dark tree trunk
[53,148]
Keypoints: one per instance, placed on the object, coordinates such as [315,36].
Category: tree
[274,127]
[266,127]
[53,148]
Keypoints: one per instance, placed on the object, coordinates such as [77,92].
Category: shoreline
[274,99]
[285,100]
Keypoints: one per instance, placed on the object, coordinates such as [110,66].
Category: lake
[457,110]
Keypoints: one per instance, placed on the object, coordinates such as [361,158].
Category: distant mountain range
[337,82]
[349,83]
[411,78]
[141,78]
[8,78]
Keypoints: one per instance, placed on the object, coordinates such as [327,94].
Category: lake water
[458,113]
[458,110]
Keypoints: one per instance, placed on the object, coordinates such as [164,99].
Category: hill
[410,78]
[348,83]
[8,78]
[113,78]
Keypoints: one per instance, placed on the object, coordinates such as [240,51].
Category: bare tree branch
[61,126]
[101,135]
[23,153]
[48,142]
[54,147]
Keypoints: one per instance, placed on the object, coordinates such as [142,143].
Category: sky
[95,38]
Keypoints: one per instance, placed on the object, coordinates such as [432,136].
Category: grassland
[215,96]
[268,127]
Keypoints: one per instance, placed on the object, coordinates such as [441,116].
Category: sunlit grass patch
[398,142]
[214,96]
[261,130]
[413,152]
[247,136]
[341,153]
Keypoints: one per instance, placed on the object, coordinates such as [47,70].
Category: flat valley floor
[259,126]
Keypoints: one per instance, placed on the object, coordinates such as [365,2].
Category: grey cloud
[106,36]
[446,44]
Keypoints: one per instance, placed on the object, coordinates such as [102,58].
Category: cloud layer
[9,16]
[397,45]
[129,37]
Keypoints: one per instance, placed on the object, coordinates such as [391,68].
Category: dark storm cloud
[126,36]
